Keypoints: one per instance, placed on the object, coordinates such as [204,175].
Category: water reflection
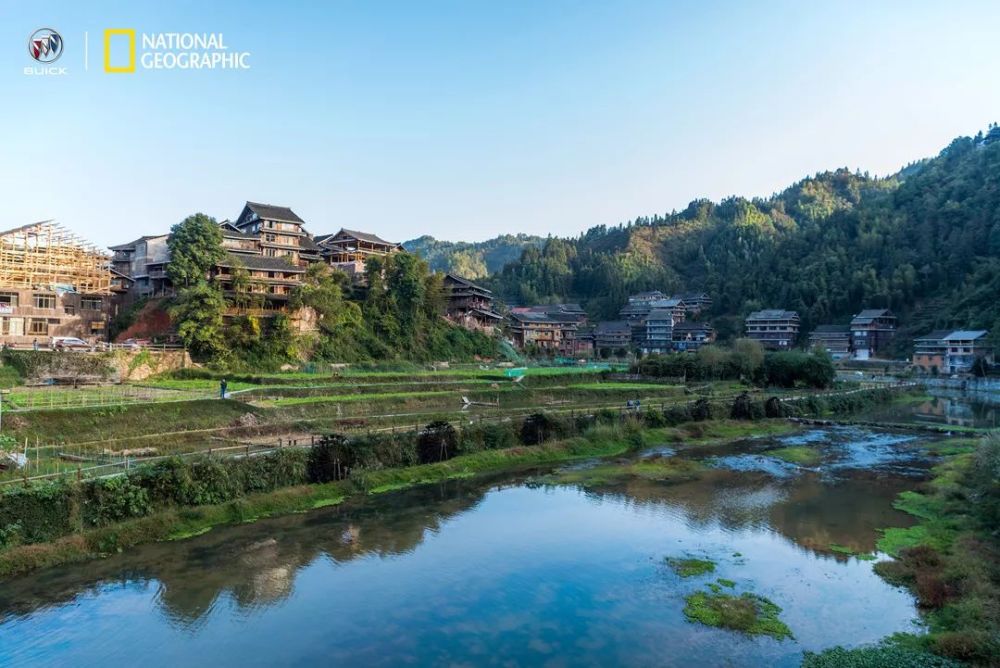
[944,407]
[475,571]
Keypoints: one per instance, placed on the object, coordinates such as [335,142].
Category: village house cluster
[651,322]
[270,242]
[55,286]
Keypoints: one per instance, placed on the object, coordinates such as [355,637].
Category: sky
[468,119]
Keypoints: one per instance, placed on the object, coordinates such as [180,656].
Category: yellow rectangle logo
[119,69]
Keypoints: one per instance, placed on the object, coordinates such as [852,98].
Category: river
[509,570]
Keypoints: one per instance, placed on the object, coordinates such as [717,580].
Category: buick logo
[45,45]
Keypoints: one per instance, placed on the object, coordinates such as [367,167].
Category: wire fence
[54,398]
[81,461]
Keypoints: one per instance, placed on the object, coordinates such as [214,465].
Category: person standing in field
[223,385]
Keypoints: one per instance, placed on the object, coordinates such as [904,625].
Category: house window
[69,309]
[45,301]
[269,237]
[38,326]
[91,303]
[8,301]
[12,326]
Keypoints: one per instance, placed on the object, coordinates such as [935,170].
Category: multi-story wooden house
[269,241]
[613,336]
[695,303]
[776,329]
[871,332]
[270,283]
[540,330]
[690,336]
[835,340]
[658,331]
[567,312]
[470,305]
[638,309]
[277,231]
[347,250]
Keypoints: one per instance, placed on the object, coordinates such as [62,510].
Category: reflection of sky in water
[806,438]
[524,575]
[752,462]
[841,448]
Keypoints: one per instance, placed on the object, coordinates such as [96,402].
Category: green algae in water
[726,583]
[690,567]
[747,613]
[802,455]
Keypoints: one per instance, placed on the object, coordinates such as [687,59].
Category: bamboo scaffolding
[46,254]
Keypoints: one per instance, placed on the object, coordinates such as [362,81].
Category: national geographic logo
[123,53]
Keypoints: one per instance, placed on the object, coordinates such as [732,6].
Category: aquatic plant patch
[748,613]
[803,455]
[689,567]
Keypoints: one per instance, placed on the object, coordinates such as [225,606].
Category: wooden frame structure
[45,254]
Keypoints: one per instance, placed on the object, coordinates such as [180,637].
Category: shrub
[41,512]
[329,459]
[745,408]
[701,410]
[487,436]
[437,442]
[654,419]
[110,500]
[773,408]
[211,481]
[540,427]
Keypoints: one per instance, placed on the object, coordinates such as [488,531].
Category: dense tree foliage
[924,242]
[397,316]
[745,361]
[472,259]
[195,246]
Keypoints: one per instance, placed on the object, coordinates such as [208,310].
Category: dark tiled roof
[966,335]
[613,327]
[488,314]
[660,314]
[271,212]
[832,329]
[360,236]
[465,282]
[936,335]
[773,314]
[692,327]
[305,243]
[260,263]
[867,315]
[132,244]
[532,317]
[231,231]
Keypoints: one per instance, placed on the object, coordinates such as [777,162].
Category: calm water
[504,571]
[944,408]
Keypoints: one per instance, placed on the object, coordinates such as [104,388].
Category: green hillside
[472,259]
[924,242]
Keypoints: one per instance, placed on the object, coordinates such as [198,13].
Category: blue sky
[468,119]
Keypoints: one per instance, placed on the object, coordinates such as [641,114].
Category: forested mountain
[924,242]
[472,259]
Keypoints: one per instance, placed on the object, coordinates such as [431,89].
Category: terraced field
[93,431]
